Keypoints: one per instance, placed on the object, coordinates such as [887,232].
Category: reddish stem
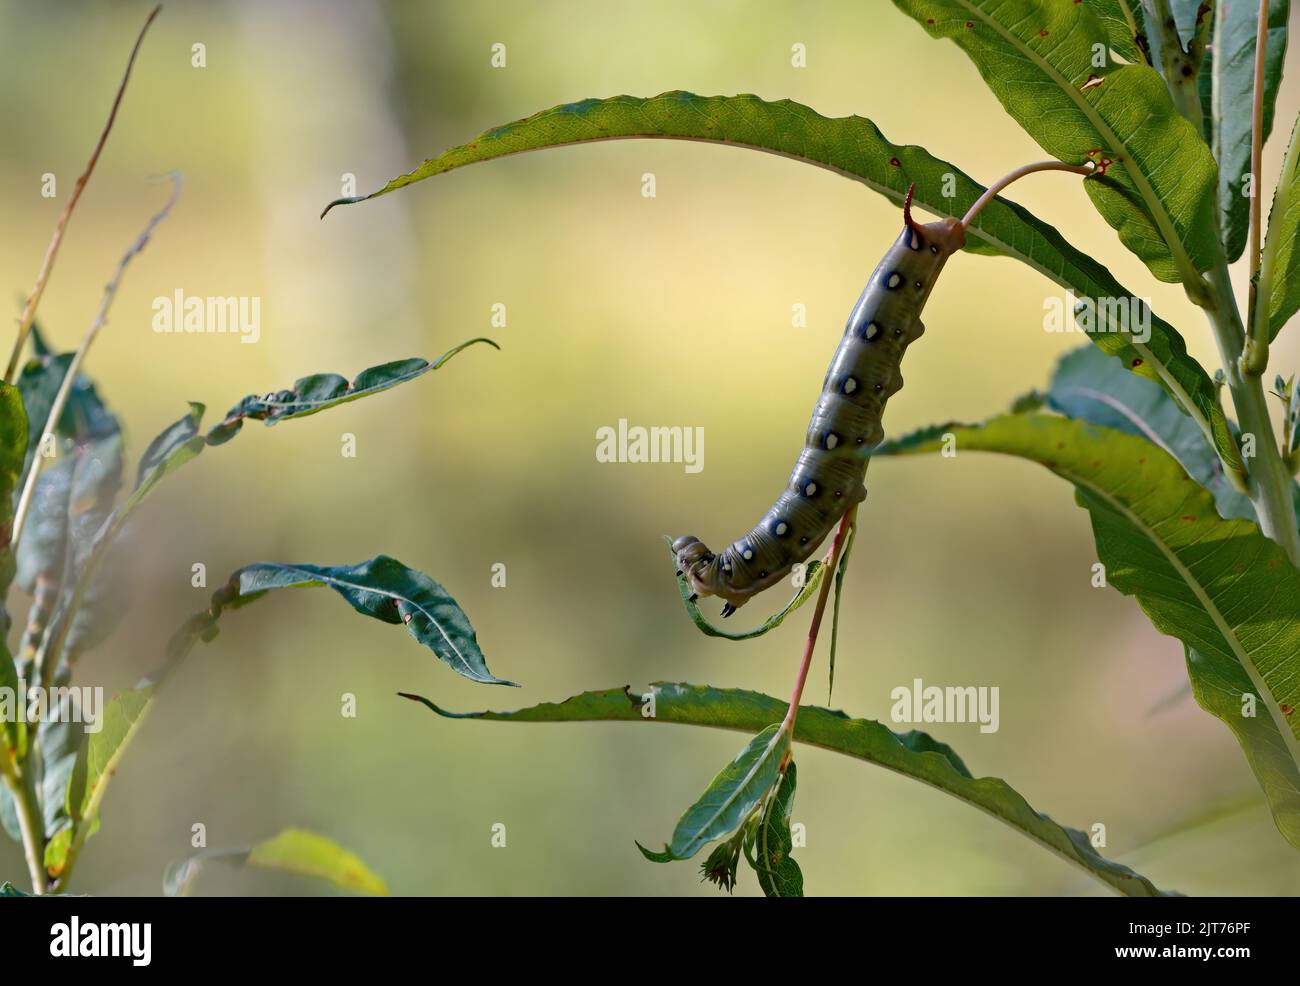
[828,576]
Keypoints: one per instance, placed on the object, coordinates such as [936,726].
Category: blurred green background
[670,311]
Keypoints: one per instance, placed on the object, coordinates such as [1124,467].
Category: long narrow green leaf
[1280,268]
[294,851]
[731,796]
[382,588]
[855,148]
[1230,64]
[1221,587]
[13,448]
[1041,59]
[95,766]
[778,874]
[1090,386]
[913,754]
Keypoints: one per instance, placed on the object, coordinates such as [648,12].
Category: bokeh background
[672,310]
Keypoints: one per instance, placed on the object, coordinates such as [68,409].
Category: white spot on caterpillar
[894,280]
[782,527]
[850,385]
[873,330]
[810,489]
[748,555]
[832,441]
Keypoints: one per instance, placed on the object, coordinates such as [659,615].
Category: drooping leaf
[13,452]
[294,851]
[731,797]
[1280,268]
[382,588]
[913,754]
[1090,386]
[812,579]
[1221,587]
[167,451]
[771,846]
[321,391]
[1039,58]
[855,148]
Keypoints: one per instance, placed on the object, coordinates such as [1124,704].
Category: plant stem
[56,240]
[1255,357]
[1180,68]
[30,825]
[837,546]
[1270,480]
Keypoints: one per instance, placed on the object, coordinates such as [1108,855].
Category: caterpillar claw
[727,610]
[694,596]
[679,573]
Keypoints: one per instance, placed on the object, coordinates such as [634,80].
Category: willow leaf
[855,148]
[382,588]
[1090,386]
[1040,59]
[1221,587]
[778,874]
[295,851]
[913,754]
[1280,267]
[321,391]
[1230,65]
[95,766]
[13,449]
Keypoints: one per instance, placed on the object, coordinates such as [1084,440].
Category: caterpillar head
[699,565]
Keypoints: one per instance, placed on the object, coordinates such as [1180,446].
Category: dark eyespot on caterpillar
[863,374]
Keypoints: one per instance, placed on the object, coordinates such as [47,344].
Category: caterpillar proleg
[828,476]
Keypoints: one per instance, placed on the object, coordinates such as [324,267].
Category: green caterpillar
[828,477]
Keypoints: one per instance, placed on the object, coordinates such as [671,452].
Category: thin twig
[1254,361]
[51,251]
[65,388]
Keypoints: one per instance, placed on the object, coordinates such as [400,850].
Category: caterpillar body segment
[827,479]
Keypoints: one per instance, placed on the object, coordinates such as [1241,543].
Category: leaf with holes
[382,588]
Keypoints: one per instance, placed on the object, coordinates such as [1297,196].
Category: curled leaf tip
[434,708]
[353,200]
